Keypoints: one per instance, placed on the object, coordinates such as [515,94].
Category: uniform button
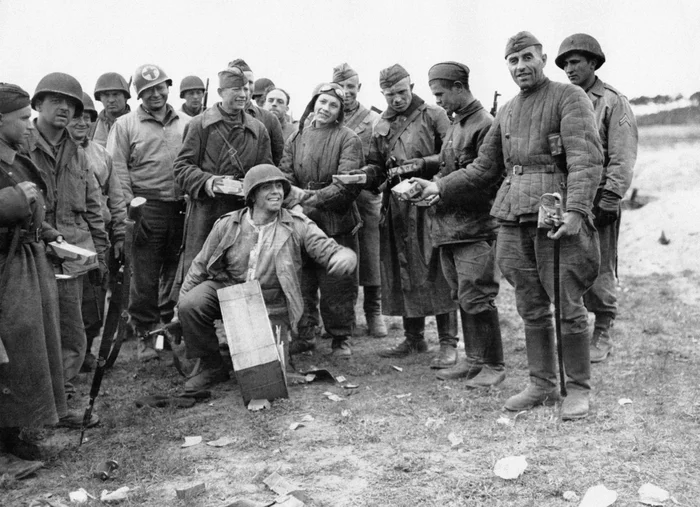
[507,135]
[6,390]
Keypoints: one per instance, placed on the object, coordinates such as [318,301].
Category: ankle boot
[447,334]
[577,365]
[208,371]
[414,343]
[488,340]
[373,311]
[470,366]
[541,359]
[601,342]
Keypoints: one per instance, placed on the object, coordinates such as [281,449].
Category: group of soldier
[309,237]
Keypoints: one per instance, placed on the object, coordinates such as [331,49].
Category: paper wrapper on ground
[254,353]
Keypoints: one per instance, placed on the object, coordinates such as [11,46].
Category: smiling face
[527,67]
[155,97]
[398,97]
[326,109]
[79,126]
[234,99]
[16,126]
[580,69]
[351,86]
[56,110]
[268,198]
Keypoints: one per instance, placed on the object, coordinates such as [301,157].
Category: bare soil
[387,442]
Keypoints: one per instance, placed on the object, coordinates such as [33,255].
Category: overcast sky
[650,45]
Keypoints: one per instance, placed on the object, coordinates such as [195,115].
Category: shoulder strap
[395,138]
[357,120]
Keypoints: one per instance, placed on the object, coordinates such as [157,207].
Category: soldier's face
[56,110]
[16,126]
[527,67]
[269,197]
[579,69]
[193,99]
[113,101]
[276,102]
[399,96]
[251,83]
[234,99]
[155,97]
[79,126]
[326,109]
[351,87]
[447,98]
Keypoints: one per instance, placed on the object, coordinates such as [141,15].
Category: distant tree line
[662,99]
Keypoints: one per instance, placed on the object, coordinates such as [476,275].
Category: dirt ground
[395,439]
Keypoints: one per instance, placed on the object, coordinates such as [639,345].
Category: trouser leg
[73,341]
[197,310]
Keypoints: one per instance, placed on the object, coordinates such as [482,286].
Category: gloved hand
[117,249]
[608,209]
[343,262]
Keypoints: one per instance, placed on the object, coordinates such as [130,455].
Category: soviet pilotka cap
[12,98]
[232,77]
[343,72]
[520,41]
[392,75]
[451,71]
[240,63]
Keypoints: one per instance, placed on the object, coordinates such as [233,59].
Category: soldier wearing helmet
[143,145]
[318,151]
[73,206]
[263,242]
[580,56]
[192,90]
[260,88]
[113,91]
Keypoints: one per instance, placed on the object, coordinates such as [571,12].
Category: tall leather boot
[577,364]
[471,365]
[541,360]
[447,334]
[601,342]
[413,329]
[373,311]
[488,337]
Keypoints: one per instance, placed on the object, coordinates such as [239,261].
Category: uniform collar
[416,102]
[7,154]
[213,115]
[598,88]
[468,110]
[170,114]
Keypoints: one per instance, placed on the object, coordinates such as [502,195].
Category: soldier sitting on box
[260,242]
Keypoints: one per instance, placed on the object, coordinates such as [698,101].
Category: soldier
[519,144]
[260,88]
[465,233]
[580,56]
[31,370]
[408,130]
[143,145]
[223,142]
[361,120]
[73,206]
[113,91]
[312,156]
[192,90]
[277,102]
[271,240]
[272,124]
[113,213]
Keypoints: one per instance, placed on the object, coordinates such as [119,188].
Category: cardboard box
[351,179]
[407,191]
[73,253]
[229,186]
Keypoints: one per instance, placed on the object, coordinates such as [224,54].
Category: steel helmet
[261,85]
[148,76]
[111,81]
[190,83]
[263,173]
[63,84]
[580,43]
[89,106]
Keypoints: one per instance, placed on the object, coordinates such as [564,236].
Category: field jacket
[99,132]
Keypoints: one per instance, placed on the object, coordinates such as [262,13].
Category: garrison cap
[232,77]
[451,71]
[392,75]
[12,98]
[520,41]
[240,63]
[343,72]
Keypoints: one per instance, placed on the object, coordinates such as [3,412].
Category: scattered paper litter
[79,496]
[511,467]
[190,441]
[114,496]
[295,425]
[190,491]
[221,442]
[505,421]
[598,496]
[332,397]
[255,405]
[624,401]
[307,418]
[455,440]
[434,423]
[399,396]
[397,368]
[288,501]
[310,378]
[650,494]
[340,379]
[570,496]
[279,484]
[345,413]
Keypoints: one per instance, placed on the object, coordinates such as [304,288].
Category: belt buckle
[517,169]
[37,234]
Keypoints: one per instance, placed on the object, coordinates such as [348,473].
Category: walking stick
[550,216]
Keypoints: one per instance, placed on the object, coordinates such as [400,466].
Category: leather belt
[531,169]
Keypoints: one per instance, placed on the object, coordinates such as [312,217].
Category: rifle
[494,108]
[206,96]
[117,318]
